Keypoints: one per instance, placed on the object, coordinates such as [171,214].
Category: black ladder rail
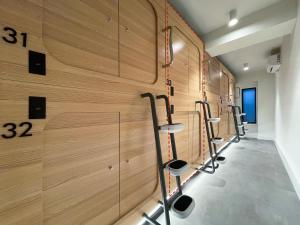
[213,166]
[237,131]
[160,162]
[242,119]
[172,136]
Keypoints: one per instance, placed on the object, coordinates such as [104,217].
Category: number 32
[11,128]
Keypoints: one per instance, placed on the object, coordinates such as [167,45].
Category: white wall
[265,88]
[287,109]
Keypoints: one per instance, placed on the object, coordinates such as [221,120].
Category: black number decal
[12,130]
[11,36]
[24,43]
[25,133]
[12,33]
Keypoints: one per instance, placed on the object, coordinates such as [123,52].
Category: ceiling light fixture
[233,20]
[246,67]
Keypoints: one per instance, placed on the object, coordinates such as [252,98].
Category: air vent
[274,62]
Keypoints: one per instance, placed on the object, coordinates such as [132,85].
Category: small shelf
[183,206]
[217,140]
[177,167]
[171,128]
[214,120]
[245,123]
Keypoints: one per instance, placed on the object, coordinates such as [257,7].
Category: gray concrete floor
[252,188]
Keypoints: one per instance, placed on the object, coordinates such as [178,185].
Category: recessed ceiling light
[246,67]
[233,20]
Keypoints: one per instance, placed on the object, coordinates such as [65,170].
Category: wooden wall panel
[92,160]
[20,158]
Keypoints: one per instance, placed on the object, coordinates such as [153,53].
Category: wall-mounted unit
[273,63]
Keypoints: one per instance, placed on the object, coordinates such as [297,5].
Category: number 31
[12,36]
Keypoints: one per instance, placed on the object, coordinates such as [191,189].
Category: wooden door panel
[81,169]
[138,164]
[83,33]
[179,69]
[194,137]
[138,41]
[224,86]
[224,100]
[194,69]
[21,166]
[212,75]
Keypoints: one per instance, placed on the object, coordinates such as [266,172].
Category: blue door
[249,104]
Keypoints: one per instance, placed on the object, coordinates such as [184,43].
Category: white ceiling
[256,56]
[207,15]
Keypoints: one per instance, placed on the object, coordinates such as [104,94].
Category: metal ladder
[181,205]
[212,140]
[238,117]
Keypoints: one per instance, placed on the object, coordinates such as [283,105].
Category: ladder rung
[171,128]
[214,120]
[240,126]
[183,206]
[217,140]
[177,167]
[245,123]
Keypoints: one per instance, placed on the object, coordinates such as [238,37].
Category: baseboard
[251,135]
[267,138]
[293,178]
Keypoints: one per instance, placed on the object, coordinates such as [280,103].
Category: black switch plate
[172,91]
[172,109]
[37,63]
[37,107]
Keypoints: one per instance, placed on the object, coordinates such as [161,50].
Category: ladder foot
[221,159]
[150,220]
